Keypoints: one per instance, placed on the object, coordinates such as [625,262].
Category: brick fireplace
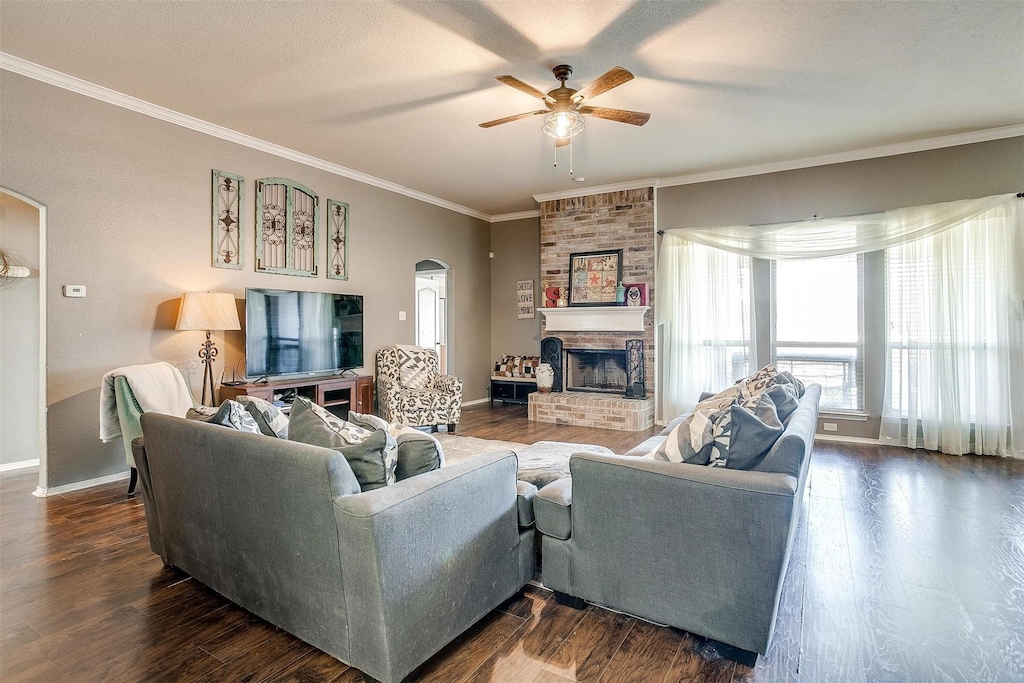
[615,220]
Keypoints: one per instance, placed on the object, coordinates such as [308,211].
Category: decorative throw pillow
[677,446]
[230,414]
[752,433]
[413,370]
[506,367]
[271,420]
[418,452]
[527,365]
[371,453]
[784,398]
[787,377]
[760,381]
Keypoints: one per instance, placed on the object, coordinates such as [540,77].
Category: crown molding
[598,189]
[44,74]
[501,217]
[924,145]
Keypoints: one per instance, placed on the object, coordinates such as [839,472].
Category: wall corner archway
[9,199]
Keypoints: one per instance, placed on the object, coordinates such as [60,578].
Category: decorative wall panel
[286,230]
[337,240]
[228,200]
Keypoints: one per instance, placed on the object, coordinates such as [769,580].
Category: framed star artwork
[593,277]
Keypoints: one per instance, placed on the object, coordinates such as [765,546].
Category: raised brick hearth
[615,220]
[606,411]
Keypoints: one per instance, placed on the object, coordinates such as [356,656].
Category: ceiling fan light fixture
[563,124]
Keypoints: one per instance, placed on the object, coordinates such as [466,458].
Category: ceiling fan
[567,107]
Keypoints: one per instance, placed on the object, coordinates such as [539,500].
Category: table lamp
[208,311]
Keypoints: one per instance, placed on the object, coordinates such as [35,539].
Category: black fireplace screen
[591,370]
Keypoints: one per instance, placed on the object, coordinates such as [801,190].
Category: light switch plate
[401,315]
[74,291]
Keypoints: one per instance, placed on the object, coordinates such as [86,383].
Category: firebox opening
[602,371]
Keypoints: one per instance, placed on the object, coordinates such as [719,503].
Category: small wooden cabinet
[338,393]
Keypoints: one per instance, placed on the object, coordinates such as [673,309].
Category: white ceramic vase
[545,378]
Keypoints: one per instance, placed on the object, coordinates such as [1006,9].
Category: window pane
[817,326]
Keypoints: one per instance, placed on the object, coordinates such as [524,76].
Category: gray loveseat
[381,580]
[700,548]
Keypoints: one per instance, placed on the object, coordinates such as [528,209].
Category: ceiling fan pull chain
[556,156]
[570,156]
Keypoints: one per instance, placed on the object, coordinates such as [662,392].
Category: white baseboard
[476,402]
[849,439]
[40,492]
[20,465]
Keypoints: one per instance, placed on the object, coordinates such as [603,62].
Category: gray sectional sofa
[703,549]
[381,580]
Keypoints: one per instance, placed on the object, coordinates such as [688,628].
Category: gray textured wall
[941,175]
[516,247]
[128,200]
[19,334]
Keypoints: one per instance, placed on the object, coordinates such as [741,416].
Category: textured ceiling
[396,89]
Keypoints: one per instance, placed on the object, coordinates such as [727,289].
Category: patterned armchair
[411,391]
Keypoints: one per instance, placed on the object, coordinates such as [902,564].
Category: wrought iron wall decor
[286,231]
[636,386]
[337,240]
[228,200]
[551,353]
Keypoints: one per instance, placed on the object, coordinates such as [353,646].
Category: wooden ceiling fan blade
[636,118]
[526,88]
[612,79]
[509,119]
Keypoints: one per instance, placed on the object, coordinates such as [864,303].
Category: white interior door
[431,314]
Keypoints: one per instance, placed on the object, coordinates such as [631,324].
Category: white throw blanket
[158,388]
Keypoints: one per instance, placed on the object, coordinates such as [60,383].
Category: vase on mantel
[545,378]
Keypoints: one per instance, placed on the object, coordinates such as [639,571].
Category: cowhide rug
[540,463]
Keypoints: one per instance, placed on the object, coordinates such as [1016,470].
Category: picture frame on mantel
[594,276]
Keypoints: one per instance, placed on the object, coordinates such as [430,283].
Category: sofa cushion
[785,399]
[753,431]
[787,377]
[417,452]
[553,509]
[526,493]
[371,453]
[271,420]
[230,414]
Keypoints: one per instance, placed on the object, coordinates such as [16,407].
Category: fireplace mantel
[595,319]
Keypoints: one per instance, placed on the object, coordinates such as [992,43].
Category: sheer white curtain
[955,361]
[955,366]
[705,317]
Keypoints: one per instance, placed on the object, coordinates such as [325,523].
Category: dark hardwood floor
[908,566]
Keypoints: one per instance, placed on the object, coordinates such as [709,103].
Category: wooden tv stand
[351,392]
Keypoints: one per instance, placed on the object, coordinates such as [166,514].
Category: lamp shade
[208,311]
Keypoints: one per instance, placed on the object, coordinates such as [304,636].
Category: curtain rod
[1020,195]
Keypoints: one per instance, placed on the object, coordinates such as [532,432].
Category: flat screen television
[288,333]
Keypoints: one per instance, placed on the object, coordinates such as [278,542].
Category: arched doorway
[433,303]
[23,335]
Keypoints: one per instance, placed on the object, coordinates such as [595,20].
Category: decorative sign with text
[524,299]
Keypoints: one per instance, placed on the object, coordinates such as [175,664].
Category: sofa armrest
[424,559]
[720,537]
[525,495]
[553,508]
[448,383]
[388,394]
